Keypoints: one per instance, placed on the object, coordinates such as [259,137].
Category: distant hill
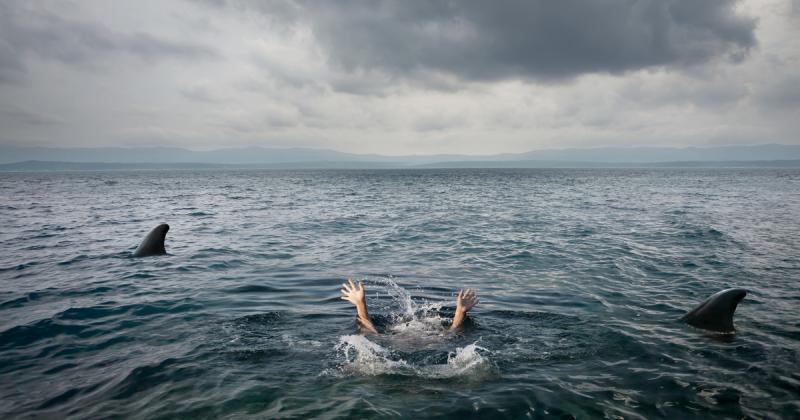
[36,166]
[667,154]
[9,154]
[572,164]
[54,158]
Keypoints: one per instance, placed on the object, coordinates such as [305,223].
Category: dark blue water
[581,273]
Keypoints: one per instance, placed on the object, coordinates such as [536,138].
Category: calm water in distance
[581,273]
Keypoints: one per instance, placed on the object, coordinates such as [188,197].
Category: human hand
[465,300]
[352,293]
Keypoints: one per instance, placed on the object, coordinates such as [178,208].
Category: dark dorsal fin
[716,312]
[153,243]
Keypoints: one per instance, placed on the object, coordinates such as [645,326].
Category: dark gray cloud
[28,29]
[528,39]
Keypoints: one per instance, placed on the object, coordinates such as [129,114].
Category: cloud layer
[399,76]
[29,30]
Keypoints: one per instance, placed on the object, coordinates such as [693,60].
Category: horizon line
[302,148]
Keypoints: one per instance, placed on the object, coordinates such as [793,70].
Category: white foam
[294,342]
[465,361]
[364,357]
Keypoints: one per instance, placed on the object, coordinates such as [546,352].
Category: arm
[355,295]
[464,302]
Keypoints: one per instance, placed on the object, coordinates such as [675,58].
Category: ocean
[582,276]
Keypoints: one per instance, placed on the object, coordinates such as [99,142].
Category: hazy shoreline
[58,166]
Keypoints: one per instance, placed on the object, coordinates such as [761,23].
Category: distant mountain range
[20,158]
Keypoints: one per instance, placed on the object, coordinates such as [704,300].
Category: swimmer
[465,300]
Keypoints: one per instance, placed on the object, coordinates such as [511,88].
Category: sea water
[582,275]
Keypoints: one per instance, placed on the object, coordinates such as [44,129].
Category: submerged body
[716,312]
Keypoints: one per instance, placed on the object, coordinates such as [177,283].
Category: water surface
[581,273]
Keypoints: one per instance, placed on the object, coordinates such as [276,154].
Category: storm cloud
[526,39]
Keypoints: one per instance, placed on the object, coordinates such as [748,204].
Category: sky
[400,77]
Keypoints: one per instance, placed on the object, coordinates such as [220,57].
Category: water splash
[396,302]
[415,328]
[399,299]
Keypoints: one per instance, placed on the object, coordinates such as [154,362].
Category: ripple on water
[582,274]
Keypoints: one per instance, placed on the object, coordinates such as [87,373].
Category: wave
[91,321]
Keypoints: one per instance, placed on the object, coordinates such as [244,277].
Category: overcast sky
[400,77]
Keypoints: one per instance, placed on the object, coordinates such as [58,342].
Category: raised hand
[352,293]
[355,295]
[465,301]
